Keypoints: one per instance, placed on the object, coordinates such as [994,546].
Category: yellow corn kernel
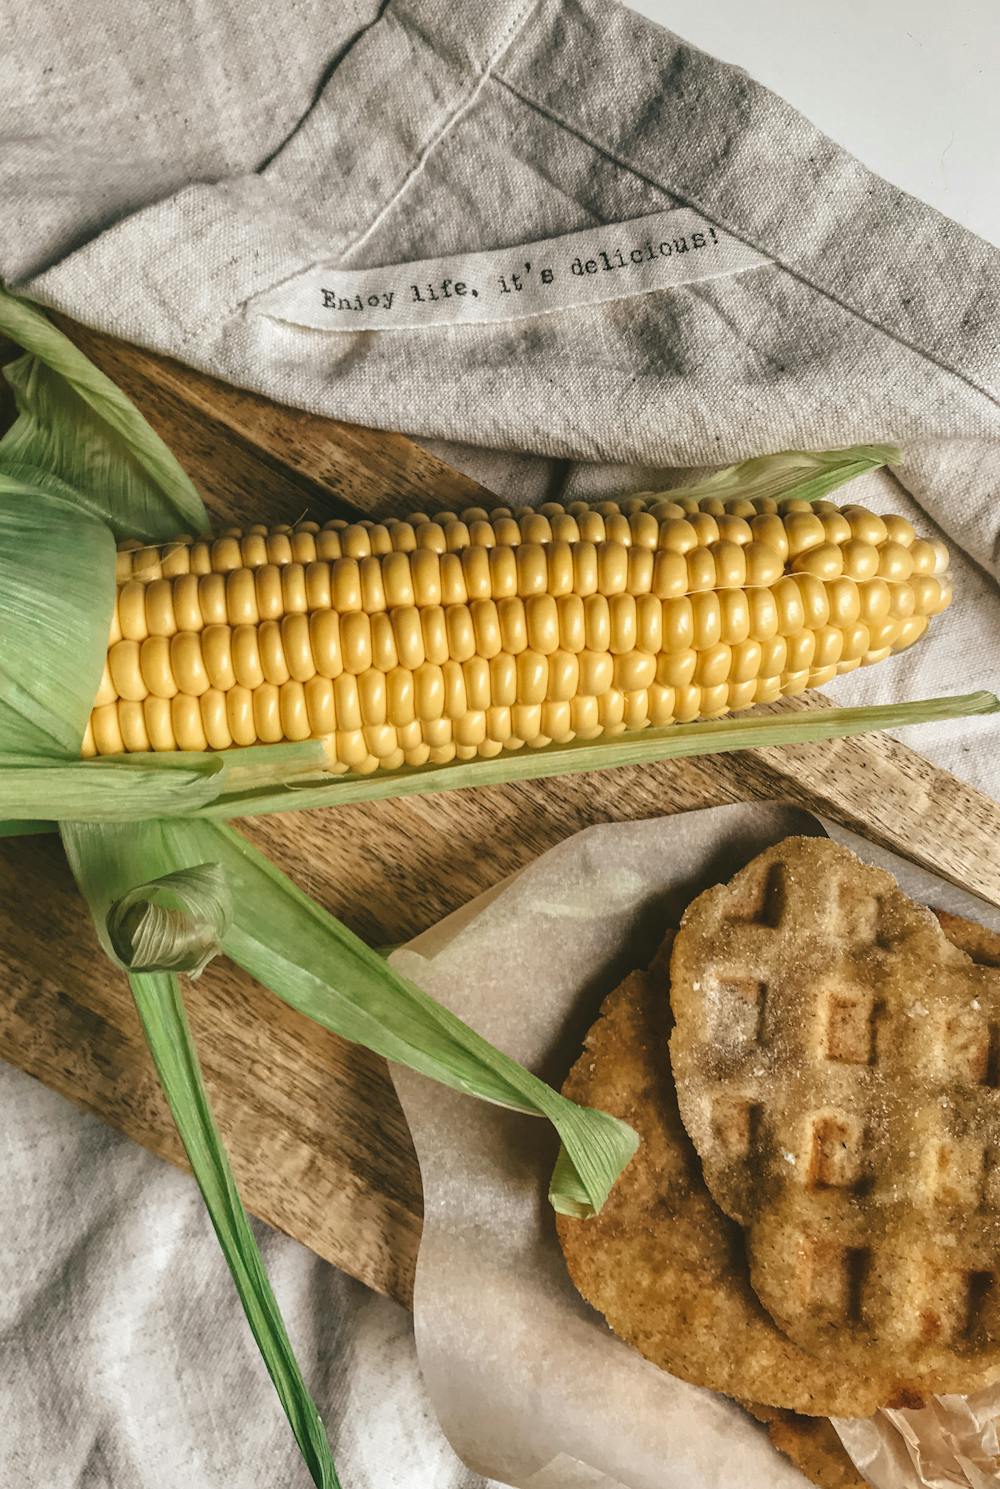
[746,661]
[670,574]
[687,703]
[773,655]
[347,702]
[429,684]
[597,670]
[564,676]
[910,631]
[734,527]
[532,570]
[764,564]
[875,601]
[826,561]
[814,598]
[132,725]
[706,613]
[793,683]
[125,672]
[622,623]
[661,705]
[803,530]
[741,694]
[320,706]
[503,679]
[677,535]
[734,615]
[107,733]
[433,627]
[714,665]
[829,646]
[701,571]
[215,722]
[730,564]
[704,526]
[845,602]
[895,562]
[526,722]
[271,652]
[714,700]
[866,526]
[898,530]
[634,670]
[801,649]
[675,669]
[503,573]
[861,560]
[185,719]
[767,688]
[836,527]
[132,610]
[769,531]
[902,600]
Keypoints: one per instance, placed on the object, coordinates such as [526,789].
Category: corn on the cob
[430,639]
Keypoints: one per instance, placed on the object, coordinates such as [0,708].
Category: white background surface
[912,87]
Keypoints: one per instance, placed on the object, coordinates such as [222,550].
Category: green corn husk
[289,943]
[678,741]
[76,426]
[169,886]
[26,829]
[806,475]
[136,787]
[161,1011]
[50,663]
[174,924]
[131,788]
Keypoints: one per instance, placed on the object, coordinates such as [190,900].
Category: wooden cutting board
[318,1142]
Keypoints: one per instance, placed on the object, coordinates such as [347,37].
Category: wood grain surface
[318,1142]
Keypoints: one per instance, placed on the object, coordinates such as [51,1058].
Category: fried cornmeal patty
[661,1262]
[812,1445]
[836,1068]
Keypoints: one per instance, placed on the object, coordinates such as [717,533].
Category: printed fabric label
[613,262]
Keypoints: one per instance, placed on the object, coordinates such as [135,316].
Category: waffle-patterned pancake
[837,1063]
[661,1262]
[812,1445]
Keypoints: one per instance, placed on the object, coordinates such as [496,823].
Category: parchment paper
[529,1384]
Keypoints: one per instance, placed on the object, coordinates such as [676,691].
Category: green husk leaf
[805,475]
[290,944]
[157,997]
[94,853]
[281,778]
[128,788]
[109,790]
[79,467]
[57,582]
[173,924]
[75,424]
[752,731]
[26,829]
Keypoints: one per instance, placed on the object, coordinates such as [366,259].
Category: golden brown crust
[812,1445]
[981,945]
[661,1262]
[834,1056]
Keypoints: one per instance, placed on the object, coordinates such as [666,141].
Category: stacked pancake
[812,1222]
